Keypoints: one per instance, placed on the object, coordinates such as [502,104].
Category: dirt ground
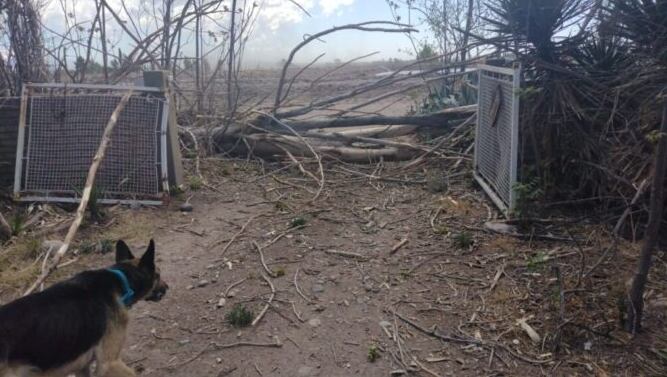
[363,292]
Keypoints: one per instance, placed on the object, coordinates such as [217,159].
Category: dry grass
[21,261]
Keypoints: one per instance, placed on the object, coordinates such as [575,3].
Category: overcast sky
[280,26]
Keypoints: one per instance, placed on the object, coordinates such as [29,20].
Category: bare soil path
[368,253]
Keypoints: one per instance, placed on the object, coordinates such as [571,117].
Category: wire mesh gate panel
[497,135]
[60,133]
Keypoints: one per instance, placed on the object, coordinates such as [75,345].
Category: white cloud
[330,6]
[275,13]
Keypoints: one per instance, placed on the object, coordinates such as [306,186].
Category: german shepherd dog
[62,330]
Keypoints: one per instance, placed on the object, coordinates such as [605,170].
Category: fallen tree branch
[85,197]
[268,304]
[298,290]
[438,119]
[317,156]
[261,259]
[370,26]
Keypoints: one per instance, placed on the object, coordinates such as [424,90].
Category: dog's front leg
[107,352]
[116,368]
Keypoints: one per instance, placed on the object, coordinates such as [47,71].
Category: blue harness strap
[128,293]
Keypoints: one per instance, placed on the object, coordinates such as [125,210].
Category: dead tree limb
[370,26]
[438,119]
[378,84]
[85,197]
[635,306]
[315,154]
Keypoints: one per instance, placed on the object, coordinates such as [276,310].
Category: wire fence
[64,127]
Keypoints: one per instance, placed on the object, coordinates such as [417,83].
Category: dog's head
[144,276]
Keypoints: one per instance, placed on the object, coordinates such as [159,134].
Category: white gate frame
[506,208]
[18,174]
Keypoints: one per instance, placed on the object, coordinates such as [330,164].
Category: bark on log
[268,146]
[438,119]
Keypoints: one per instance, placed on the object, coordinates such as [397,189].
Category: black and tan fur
[63,329]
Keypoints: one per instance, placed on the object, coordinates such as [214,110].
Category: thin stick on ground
[235,236]
[298,290]
[268,303]
[261,259]
[85,197]
[233,285]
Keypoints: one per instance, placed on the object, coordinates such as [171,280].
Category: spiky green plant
[240,316]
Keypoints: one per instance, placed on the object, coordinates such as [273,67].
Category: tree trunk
[231,101]
[464,49]
[636,305]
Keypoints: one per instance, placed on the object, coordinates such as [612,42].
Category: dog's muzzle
[158,292]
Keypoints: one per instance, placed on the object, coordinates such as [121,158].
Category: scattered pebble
[185,207]
[202,283]
[315,322]
[221,303]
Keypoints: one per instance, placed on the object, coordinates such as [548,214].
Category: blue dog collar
[128,293]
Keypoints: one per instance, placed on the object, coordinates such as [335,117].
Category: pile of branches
[289,129]
[590,107]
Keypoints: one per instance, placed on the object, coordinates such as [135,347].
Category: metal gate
[60,129]
[497,135]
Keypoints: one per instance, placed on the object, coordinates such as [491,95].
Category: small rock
[185,207]
[183,342]
[588,345]
[221,303]
[232,293]
[500,227]
[202,283]
[319,308]
[189,287]
[317,288]
[218,360]
[315,322]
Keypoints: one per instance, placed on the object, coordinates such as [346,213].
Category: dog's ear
[148,259]
[123,252]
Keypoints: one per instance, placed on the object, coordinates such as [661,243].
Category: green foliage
[96,212]
[527,194]
[87,247]
[463,240]
[106,246]
[537,261]
[373,353]
[240,316]
[195,183]
[17,223]
[426,51]
[280,271]
[297,221]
